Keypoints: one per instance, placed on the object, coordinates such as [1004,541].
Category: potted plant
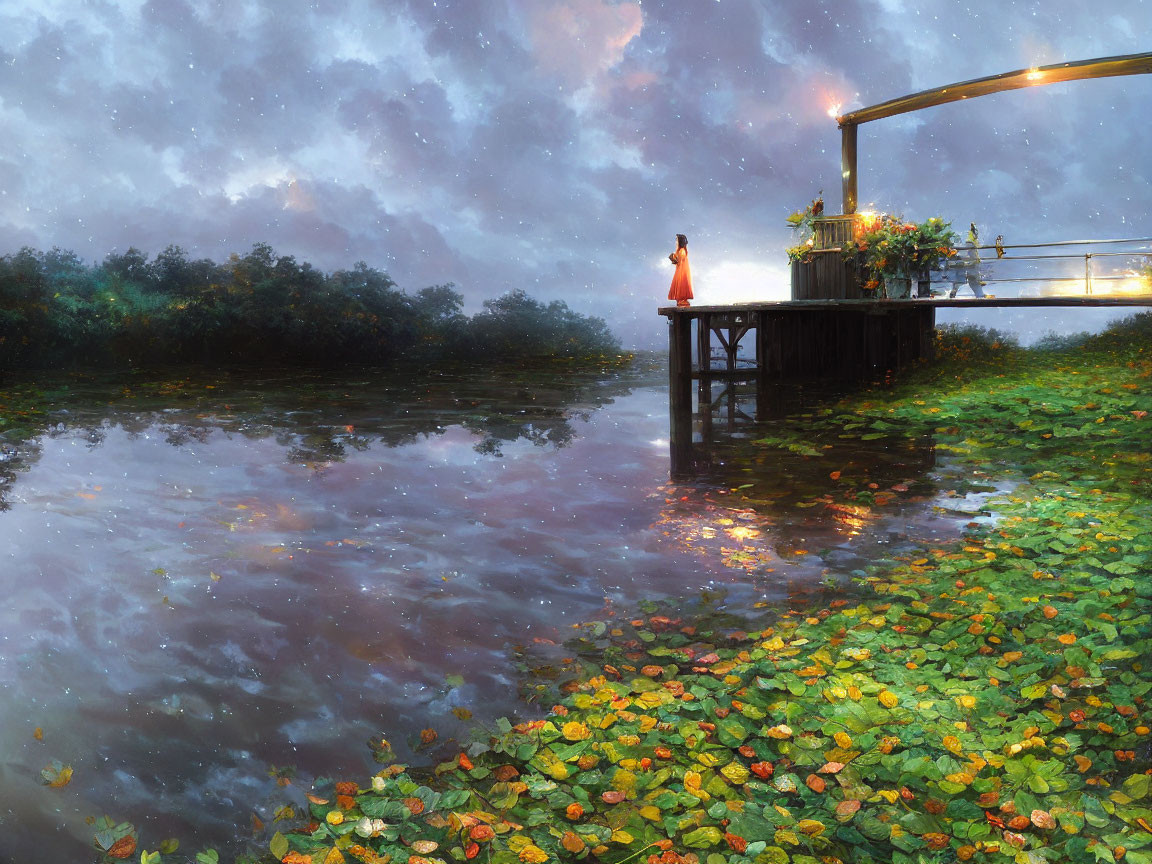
[801,224]
[894,250]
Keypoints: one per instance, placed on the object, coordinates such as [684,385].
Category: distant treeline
[55,310]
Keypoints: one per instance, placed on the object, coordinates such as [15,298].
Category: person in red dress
[681,290]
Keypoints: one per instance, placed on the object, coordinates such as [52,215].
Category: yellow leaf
[966,701]
[333,856]
[518,843]
[735,772]
[854,693]
[625,781]
[811,827]
[888,699]
[783,836]
[532,854]
[651,813]
[843,740]
[952,743]
[575,731]
[781,731]
[622,837]
[653,699]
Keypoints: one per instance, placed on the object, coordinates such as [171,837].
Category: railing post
[1087,272]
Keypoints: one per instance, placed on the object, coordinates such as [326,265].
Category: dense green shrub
[260,307]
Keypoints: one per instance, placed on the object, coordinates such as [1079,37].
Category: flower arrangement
[801,224]
[892,247]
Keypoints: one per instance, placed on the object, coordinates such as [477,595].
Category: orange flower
[464,762]
[574,811]
[347,788]
[481,833]
[763,770]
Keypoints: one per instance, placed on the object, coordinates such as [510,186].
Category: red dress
[681,289]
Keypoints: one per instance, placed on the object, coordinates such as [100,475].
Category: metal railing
[1124,271]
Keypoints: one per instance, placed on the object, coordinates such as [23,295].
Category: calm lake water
[212,579]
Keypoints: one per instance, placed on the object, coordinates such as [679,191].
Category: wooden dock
[794,340]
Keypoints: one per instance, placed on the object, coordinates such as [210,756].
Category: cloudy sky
[554,145]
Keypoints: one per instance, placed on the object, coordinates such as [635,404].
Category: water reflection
[214,581]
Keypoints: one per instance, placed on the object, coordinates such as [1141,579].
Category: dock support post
[704,360]
[680,392]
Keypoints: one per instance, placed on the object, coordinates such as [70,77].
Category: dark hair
[682,240]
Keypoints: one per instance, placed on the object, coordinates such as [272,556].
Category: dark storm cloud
[554,145]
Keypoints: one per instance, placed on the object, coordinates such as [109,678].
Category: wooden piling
[680,392]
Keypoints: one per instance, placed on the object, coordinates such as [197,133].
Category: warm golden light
[834,110]
[1035,74]
[866,220]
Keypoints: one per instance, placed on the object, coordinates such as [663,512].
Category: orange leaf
[815,783]
[572,843]
[1043,819]
[847,808]
[1050,611]
[1066,639]
[123,848]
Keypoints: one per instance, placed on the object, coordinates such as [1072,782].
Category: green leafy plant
[894,247]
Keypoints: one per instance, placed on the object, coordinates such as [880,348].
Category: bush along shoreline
[983,698]
[56,311]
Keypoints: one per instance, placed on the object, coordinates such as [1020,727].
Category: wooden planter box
[828,275]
